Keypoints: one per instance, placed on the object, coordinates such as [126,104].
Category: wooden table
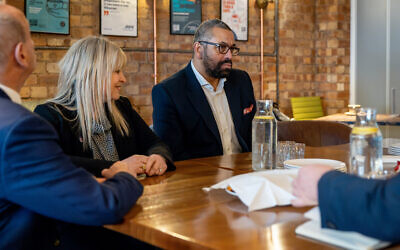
[382,119]
[174,212]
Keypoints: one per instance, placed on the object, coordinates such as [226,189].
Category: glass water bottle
[264,137]
[366,145]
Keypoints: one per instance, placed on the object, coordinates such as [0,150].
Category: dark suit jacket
[370,207]
[141,139]
[184,120]
[39,183]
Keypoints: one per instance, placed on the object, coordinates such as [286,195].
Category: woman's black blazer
[141,139]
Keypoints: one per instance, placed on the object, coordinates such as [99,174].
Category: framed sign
[185,16]
[50,16]
[235,13]
[119,18]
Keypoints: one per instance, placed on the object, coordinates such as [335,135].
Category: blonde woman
[96,125]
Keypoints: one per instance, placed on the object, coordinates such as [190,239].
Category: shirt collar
[204,82]
[14,95]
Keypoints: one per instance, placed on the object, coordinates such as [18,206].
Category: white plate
[298,163]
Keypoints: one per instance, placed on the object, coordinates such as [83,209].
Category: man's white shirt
[222,113]
[14,95]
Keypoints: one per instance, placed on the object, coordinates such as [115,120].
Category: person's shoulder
[15,116]
[47,107]
[11,112]
[235,73]
[239,78]
[51,110]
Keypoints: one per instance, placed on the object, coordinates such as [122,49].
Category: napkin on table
[263,189]
[343,239]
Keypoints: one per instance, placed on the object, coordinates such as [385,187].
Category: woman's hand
[137,163]
[156,165]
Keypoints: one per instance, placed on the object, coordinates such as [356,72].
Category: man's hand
[156,165]
[116,168]
[305,186]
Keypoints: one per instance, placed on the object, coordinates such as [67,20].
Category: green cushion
[306,108]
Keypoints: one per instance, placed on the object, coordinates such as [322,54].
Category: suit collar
[10,94]
[200,103]
[3,94]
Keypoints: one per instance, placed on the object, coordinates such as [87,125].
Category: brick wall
[297,26]
[332,58]
[307,40]
[315,52]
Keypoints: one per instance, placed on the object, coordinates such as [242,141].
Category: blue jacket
[370,207]
[39,185]
[184,120]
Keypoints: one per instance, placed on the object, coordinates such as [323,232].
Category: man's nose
[228,54]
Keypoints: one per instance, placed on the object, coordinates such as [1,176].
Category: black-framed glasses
[223,48]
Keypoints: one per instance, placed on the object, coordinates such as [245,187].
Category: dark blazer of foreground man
[39,182]
[182,115]
[45,200]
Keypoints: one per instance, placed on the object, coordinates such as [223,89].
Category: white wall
[375,56]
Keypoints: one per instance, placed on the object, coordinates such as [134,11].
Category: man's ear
[198,50]
[19,54]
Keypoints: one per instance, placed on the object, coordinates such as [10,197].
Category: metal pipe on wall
[276,48]
[155,39]
[262,53]
[262,4]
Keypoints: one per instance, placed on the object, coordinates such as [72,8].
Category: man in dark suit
[351,203]
[46,201]
[206,109]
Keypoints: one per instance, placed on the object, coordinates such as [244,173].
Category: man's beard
[216,72]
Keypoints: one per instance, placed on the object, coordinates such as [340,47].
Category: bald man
[45,200]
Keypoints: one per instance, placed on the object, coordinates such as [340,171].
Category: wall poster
[185,16]
[48,16]
[119,17]
[235,14]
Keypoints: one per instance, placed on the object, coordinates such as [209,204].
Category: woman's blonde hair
[84,84]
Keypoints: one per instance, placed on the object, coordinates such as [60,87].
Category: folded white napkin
[343,239]
[263,189]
